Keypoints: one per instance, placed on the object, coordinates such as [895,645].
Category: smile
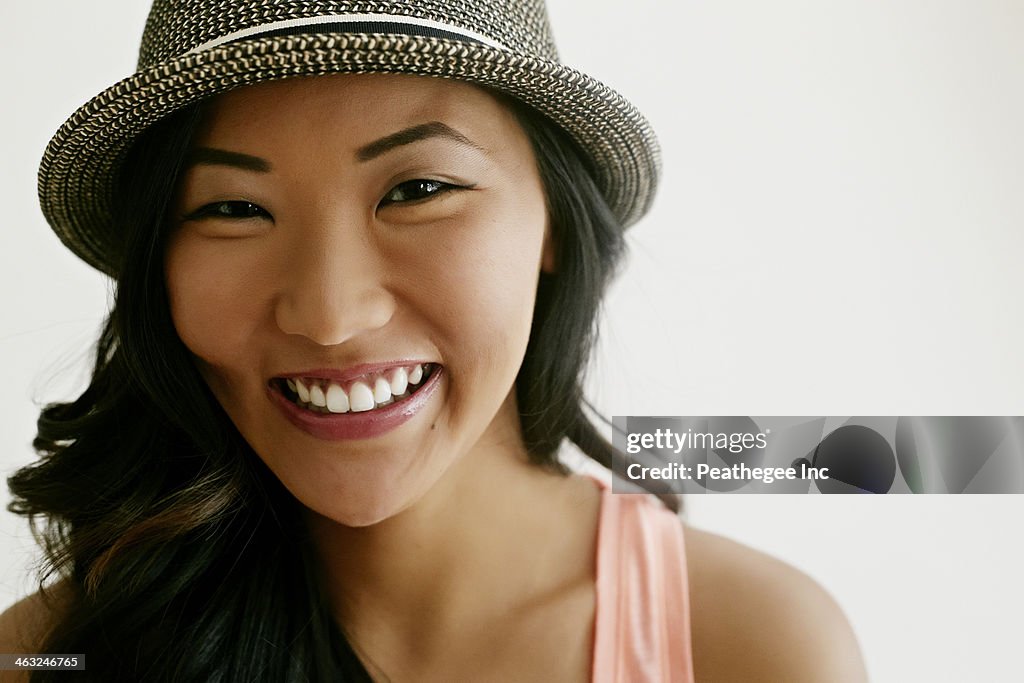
[359,407]
[369,392]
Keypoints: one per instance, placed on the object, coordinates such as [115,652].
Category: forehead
[351,109]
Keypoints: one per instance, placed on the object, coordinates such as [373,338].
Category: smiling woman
[352,316]
[391,225]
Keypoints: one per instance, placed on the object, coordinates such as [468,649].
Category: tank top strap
[642,622]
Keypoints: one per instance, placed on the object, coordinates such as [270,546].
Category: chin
[358,519]
[363,508]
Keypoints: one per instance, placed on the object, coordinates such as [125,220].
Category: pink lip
[365,425]
[354,372]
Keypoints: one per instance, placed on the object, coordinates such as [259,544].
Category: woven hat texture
[194,49]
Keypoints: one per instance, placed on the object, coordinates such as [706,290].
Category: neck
[495,534]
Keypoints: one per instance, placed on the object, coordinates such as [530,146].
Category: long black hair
[176,542]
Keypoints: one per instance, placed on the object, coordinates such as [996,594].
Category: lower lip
[363,425]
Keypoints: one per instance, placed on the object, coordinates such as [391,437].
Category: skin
[436,539]
[334,275]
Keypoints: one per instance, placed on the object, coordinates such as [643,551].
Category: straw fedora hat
[193,49]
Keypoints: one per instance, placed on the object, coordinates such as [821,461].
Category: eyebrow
[424,131]
[222,157]
[212,156]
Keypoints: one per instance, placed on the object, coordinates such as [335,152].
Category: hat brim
[79,167]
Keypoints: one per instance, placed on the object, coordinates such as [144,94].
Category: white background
[838,232]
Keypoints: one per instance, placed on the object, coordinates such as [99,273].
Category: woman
[352,315]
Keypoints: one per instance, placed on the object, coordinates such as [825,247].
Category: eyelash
[425,188]
[215,210]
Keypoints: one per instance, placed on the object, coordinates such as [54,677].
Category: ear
[548,255]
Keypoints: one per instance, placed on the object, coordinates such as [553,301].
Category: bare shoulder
[756,618]
[25,625]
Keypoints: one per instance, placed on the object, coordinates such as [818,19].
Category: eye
[230,209]
[415,190]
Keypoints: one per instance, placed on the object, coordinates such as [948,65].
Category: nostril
[332,315]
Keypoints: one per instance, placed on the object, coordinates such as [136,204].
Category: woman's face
[371,243]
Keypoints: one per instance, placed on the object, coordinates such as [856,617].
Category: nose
[334,287]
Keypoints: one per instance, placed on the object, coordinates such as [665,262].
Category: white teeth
[360,398]
[302,391]
[416,374]
[381,390]
[337,399]
[399,382]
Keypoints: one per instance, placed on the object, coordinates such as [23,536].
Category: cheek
[485,286]
[495,289]
[505,264]
[214,304]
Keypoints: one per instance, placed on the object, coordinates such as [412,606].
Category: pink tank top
[642,626]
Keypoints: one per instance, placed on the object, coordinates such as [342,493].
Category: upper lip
[351,372]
